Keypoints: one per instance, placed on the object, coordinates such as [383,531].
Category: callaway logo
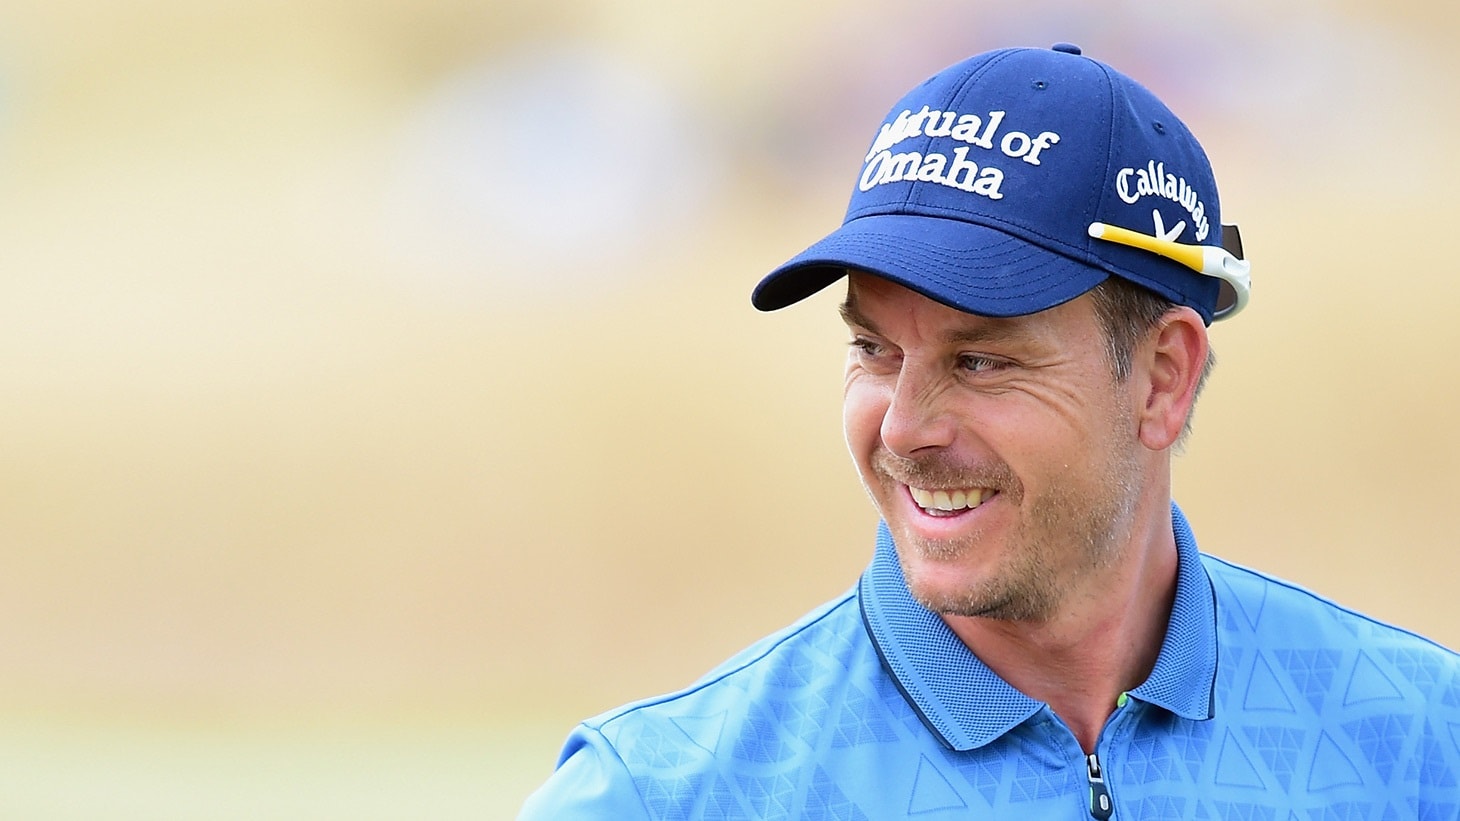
[1152,181]
[1161,232]
[957,170]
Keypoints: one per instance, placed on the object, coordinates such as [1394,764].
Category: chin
[936,583]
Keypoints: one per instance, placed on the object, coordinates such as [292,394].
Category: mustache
[940,472]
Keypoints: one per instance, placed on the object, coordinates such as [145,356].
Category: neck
[1104,640]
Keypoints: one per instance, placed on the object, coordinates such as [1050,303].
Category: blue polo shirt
[1266,702]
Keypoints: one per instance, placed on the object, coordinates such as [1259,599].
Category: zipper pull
[1100,806]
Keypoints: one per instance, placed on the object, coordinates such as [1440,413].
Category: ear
[1173,357]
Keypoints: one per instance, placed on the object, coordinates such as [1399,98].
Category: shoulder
[1363,701]
[817,650]
[1250,601]
[753,718]
[1339,660]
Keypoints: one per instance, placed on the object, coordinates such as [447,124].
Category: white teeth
[949,500]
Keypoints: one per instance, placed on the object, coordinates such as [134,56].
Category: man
[1032,256]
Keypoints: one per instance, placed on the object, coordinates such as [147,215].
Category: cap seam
[1014,230]
[1097,205]
[978,72]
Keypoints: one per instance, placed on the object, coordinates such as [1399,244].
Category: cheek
[863,407]
[1045,414]
[1040,444]
[1057,443]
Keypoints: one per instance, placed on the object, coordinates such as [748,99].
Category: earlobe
[1174,355]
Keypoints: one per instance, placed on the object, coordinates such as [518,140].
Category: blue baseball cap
[1019,179]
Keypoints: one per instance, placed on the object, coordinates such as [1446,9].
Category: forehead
[881,306]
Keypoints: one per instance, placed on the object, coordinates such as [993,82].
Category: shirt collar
[967,705]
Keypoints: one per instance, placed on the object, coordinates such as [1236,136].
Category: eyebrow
[990,329]
[852,316]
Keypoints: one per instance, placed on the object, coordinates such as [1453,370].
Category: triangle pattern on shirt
[769,797]
[1194,749]
[664,797]
[800,671]
[658,747]
[1265,691]
[1420,669]
[1383,739]
[931,791]
[1250,596]
[1331,767]
[703,731]
[1368,683]
[861,721]
[1312,671]
[802,716]
[1234,768]
[720,802]
[1280,748]
[983,773]
[762,742]
[1439,766]
[1034,781]
[1152,759]
[1238,811]
[826,800]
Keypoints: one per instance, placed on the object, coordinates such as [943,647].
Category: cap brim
[973,268]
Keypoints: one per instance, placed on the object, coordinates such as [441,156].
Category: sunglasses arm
[1210,260]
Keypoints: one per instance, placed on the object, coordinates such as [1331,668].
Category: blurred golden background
[382,393]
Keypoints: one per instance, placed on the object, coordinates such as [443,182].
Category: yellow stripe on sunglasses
[1213,261]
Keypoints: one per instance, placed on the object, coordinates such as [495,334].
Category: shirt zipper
[1100,805]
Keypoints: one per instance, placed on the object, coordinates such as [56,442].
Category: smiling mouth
[945,502]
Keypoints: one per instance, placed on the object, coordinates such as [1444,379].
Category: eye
[975,363]
[865,347]
[874,356]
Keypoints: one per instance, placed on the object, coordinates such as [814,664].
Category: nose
[917,416]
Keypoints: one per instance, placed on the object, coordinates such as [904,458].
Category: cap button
[1067,48]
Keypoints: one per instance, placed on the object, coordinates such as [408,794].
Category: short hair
[1127,313]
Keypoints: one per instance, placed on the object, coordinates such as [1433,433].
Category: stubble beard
[1069,531]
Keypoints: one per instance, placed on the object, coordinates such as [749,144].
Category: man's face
[1002,453]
